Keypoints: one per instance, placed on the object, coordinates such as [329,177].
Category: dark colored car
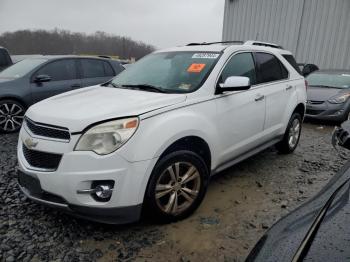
[32,80]
[5,58]
[307,69]
[319,229]
[328,95]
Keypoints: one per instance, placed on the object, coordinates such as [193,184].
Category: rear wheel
[11,116]
[292,135]
[177,186]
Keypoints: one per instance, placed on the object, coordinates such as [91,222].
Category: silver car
[328,95]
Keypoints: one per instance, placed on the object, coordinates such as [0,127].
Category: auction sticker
[196,68]
[206,55]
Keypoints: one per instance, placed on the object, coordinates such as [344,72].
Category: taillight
[306,84]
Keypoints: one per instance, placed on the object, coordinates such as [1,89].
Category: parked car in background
[307,69]
[328,95]
[32,80]
[5,58]
[151,138]
[319,229]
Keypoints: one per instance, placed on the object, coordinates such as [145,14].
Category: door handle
[76,85]
[259,98]
[289,88]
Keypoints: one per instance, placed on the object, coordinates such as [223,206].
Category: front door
[241,114]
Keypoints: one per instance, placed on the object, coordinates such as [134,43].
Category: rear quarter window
[292,62]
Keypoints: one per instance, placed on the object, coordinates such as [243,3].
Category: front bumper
[77,171]
[326,111]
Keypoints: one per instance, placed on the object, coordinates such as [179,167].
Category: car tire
[292,135]
[177,186]
[11,116]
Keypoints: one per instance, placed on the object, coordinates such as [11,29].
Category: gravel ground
[241,204]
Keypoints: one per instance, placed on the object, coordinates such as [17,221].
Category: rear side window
[108,69]
[96,68]
[292,62]
[60,70]
[270,68]
[240,65]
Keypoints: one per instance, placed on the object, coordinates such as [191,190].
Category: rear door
[273,78]
[241,114]
[64,77]
[95,71]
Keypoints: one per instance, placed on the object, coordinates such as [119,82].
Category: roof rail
[213,43]
[258,43]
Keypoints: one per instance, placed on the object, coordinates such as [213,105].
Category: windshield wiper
[325,86]
[146,87]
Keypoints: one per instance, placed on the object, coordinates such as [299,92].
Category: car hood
[78,109]
[332,237]
[315,93]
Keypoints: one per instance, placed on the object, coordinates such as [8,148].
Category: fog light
[101,190]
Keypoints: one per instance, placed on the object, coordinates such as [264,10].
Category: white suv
[150,139]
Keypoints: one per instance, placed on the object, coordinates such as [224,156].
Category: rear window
[292,62]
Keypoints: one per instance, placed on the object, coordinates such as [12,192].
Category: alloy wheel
[177,188]
[294,133]
[11,117]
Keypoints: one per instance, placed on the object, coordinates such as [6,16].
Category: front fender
[155,134]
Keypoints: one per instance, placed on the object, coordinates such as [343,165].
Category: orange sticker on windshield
[196,68]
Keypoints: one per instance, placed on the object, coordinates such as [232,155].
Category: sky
[162,23]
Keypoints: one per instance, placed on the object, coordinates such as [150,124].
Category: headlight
[106,138]
[339,99]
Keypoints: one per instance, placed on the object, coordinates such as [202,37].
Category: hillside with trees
[61,42]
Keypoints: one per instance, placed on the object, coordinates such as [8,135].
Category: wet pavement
[241,204]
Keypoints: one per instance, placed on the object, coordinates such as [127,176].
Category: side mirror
[235,83]
[42,78]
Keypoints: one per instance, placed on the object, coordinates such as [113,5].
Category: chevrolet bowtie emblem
[30,143]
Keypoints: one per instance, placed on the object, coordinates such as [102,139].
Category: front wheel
[292,135]
[177,186]
[11,116]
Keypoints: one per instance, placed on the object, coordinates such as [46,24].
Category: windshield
[329,80]
[21,68]
[171,72]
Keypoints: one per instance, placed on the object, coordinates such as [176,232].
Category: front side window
[172,72]
[93,68]
[21,68]
[270,68]
[240,65]
[59,70]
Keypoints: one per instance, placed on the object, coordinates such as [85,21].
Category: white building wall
[316,31]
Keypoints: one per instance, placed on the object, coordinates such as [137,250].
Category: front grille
[41,160]
[314,102]
[313,112]
[47,130]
